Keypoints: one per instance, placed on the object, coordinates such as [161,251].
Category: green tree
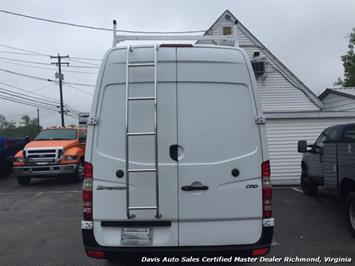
[27,127]
[348,64]
[25,121]
[6,126]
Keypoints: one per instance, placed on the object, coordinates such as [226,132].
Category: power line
[79,84]
[75,66]
[31,91]
[83,62]
[32,66]
[43,55]
[44,79]
[97,28]
[23,50]
[41,88]
[50,99]
[34,99]
[85,58]
[19,53]
[24,61]
[25,75]
[42,63]
[33,54]
[47,68]
[38,98]
[79,72]
[18,95]
[11,99]
[65,83]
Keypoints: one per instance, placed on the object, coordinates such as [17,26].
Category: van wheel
[350,210]
[80,172]
[309,187]
[23,180]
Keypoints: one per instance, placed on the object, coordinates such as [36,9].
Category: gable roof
[348,92]
[284,71]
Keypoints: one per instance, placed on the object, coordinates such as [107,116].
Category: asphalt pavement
[40,225]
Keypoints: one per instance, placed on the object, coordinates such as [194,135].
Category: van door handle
[192,188]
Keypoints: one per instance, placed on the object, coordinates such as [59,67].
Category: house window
[227,31]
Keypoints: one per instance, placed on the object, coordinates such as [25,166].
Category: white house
[338,99]
[293,112]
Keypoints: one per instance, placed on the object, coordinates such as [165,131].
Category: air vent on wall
[258,63]
[258,67]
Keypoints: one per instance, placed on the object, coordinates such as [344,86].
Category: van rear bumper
[137,253]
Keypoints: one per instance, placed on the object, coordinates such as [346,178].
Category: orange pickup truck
[55,151]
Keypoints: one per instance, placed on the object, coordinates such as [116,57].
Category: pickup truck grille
[39,156]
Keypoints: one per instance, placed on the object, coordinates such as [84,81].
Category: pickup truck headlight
[18,159]
[71,157]
[60,153]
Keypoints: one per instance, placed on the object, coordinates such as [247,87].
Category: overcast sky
[307,36]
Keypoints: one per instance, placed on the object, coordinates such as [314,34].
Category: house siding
[333,102]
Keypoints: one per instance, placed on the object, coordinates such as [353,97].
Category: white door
[109,193]
[217,135]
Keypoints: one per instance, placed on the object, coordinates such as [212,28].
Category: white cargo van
[176,157]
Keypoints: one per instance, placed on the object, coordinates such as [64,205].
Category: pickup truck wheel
[23,180]
[80,173]
[309,187]
[350,210]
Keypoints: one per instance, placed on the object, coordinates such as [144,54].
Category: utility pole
[59,63]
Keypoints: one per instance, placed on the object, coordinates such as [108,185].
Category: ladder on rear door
[129,134]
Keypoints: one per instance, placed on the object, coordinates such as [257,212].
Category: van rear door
[108,150]
[220,155]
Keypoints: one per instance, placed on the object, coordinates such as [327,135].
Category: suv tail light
[87,191]
[267,190]
[259,252]
[97,254]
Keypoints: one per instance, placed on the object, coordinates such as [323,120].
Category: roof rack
[120,38]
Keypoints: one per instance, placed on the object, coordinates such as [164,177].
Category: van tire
[23,180]
[79,176]
[309,187]
[350,212]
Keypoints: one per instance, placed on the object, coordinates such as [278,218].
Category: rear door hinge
[260,120]
[92,121]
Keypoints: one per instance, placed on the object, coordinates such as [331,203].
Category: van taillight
[88,170]
[267,190]
[87,191]
[265,169]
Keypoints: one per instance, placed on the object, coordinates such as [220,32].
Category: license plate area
[135,236]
